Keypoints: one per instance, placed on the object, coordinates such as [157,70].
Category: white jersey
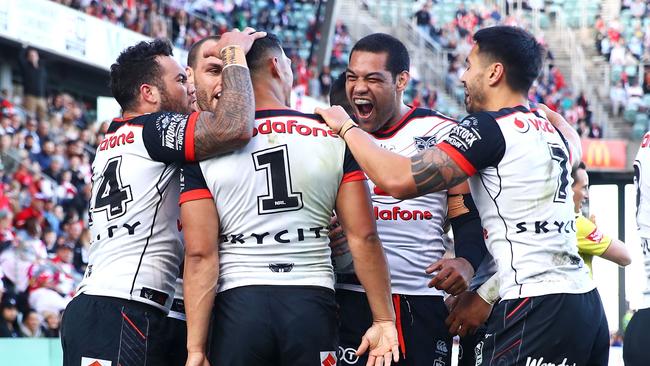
[136,249]
[520,167]
[410,230]
[275,198]
[642,183]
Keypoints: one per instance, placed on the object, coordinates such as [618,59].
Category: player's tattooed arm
[230,126]
[433,170]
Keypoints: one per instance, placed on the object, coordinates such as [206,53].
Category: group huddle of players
[317,239]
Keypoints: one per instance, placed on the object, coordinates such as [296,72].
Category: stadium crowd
[455,38]
[44,191]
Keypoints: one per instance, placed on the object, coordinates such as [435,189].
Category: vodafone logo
[396,213]
[539,124]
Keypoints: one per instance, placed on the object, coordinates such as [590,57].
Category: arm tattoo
[433,170]
[230,126]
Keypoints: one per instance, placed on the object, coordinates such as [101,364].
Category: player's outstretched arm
[569,133]
[354,211]
[200,228]
[230,126]
[429,171]
[617,252]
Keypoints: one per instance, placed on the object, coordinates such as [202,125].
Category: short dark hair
[398,59]
[575,171]
[518,51]
[256,56]
[135,66]
[192,55]
[338,95]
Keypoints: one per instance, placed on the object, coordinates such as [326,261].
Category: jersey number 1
[111,195]
[280,196]
[559,155]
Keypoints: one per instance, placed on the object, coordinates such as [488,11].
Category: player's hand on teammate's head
[197,359]
[243,39]
[381,339]
[453,275]
[468,313]
[335,116]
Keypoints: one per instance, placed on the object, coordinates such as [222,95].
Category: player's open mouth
[364,107]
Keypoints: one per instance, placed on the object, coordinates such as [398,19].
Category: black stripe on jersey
[153,222]
[268,113]
[414,113]
[505,112]
[494,199]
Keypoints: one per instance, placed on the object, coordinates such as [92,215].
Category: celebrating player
[410,230]
[127,289]
[635,349]
[519,165]
[257,220]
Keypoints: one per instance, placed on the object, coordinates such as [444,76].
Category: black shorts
[467,347]
[423,335]
[126,333]
[274,325]
[556,329]
[636,348]
[175,338]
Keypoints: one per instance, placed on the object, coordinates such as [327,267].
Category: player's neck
[402,111]
[268,96]
[501,99]
[138,111]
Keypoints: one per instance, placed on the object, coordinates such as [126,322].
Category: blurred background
[55,106]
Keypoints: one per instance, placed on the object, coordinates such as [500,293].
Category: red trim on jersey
[133,325]
[398,324]
[518,342]
[354,176]
[189,137]
[462,162]
[195,194]
[521,304]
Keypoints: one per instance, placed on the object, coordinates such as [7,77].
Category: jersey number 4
[280,196]
[112,196]
[560,156]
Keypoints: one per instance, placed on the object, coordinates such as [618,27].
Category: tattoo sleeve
[433,170]
[230,126]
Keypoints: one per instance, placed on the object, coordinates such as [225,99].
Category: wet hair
[518,51]
[261,48]
[135,66]
[338,95]
[398,59]
[575,171]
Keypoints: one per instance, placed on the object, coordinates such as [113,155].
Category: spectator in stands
[618,97]
[30,326]
[325,80]
[34,79]
[9,318]
[50,328]
[423,18]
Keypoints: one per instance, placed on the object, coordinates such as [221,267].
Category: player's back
[275,198]
[642,182]
[525,202]
[136,248]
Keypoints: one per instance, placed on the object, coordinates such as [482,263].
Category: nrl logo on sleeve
[424,142]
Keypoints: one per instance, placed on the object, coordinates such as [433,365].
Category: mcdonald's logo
[604,154]
[597,154]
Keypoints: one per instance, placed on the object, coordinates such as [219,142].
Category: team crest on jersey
[424,142]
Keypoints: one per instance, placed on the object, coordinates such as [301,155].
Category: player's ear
[274,64]
[190,74]
[402,80]
[149,93]
[495,73]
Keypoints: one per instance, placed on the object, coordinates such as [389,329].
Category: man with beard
[411,230]
[117,315]
[258,238]
[518,164]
